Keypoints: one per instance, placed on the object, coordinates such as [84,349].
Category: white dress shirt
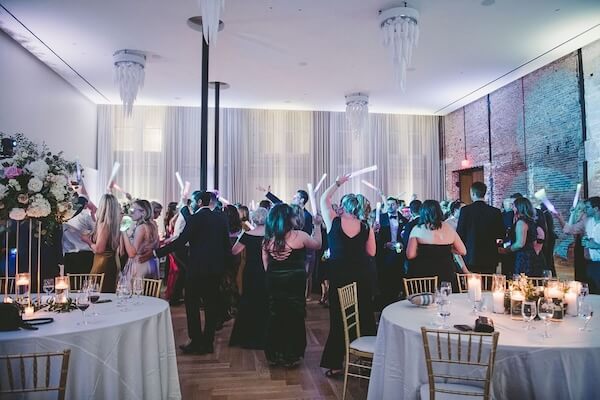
[79,225]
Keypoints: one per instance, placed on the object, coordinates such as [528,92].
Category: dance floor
[232,373]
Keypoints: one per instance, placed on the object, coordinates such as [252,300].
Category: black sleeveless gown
[526,260]
[286,333]
[434,260]
[348,263]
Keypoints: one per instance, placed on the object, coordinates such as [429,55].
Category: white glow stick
[252,205]
[363,171]
[543,197]
[320,183]
[249,225]
[179,180]
[118,188]
[78,171]
[369,184]
[113,174]
[577,194]
[377,211]
[186,188]
[224,200]
[311,196]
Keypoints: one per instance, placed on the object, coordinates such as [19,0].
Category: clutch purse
[484,324]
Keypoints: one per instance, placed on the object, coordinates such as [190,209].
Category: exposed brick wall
[454,150]
[591,72]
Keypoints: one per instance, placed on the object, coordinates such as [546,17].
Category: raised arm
[314,242]
[325,203]
[370,245]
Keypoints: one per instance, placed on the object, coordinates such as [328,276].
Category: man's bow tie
[393,217]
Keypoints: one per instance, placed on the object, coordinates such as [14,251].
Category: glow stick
[119,188]
[224,200]
[186,188]
[377,211]
[369,184]
[363,171]
[179,180]
[113,174]
[541,196]
[252,205]
[249,225]
[320,183]
[577,193]
[311,196]
[78,171]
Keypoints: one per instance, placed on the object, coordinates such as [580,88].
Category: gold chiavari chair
[359,351]
[151,287]
[76,281]
[11,284]
[420,285]
[466,357]
[538,281]
[486,282]
[29,373]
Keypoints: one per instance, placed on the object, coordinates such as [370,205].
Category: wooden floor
[232,373]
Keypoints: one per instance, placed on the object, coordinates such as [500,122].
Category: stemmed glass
[138,288]
[446,288]
[123,293]
[586,312]
[444,311]
[94,294]
[547,274]
[83,302]
[48,286]
[528,311]
[545,312]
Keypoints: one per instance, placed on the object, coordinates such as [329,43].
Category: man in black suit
[390,257]
[480,226]
[210,251]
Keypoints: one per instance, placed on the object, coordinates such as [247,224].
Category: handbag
[11,320]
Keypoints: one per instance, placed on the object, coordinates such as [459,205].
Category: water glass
[446,288]
[545,312]
[444,312]
[48,286]
[586,312]
[547,274]
[138,289]
[528,311]
[83,302]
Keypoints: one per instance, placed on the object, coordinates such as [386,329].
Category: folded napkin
[421,299]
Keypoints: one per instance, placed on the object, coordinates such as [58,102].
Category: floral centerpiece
[34,184]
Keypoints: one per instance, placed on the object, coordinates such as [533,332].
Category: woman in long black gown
[432,244]
[250,321]
[351,242]
[283,253]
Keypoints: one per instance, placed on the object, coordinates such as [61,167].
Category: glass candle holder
[61,289]
[554,290]
[22,287]
[516,300]
[474,290]
[498,290]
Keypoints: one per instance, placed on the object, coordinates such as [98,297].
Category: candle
[498,302]
[474,286]
[517,296]
[554,293]
[378,211]
[571,300]
[29,311]
[7,299]
[23,280]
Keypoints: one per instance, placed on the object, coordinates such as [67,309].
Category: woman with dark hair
[244,214]
[351,243]
[529,259]
[169,215]
[229,291]
[283,254]
[431,245]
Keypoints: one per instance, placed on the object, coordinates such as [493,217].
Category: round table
[565,366]
[117,355]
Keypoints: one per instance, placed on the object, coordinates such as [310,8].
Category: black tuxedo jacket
[208,236]
[385,232]
[479,225]
[308,218]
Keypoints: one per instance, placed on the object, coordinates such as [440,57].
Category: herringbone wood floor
[232,373]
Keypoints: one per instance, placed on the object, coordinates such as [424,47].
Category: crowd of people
[259,267]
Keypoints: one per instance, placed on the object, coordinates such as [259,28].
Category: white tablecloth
[565,366]
[118,355]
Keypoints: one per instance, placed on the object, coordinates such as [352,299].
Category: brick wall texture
[528,134]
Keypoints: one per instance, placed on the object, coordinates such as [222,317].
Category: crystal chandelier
[400,27]
[357,112]
[129,75]
[211,13]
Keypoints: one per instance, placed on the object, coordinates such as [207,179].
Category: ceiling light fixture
[211,13]
[357,112]
[400,27]
[129,66]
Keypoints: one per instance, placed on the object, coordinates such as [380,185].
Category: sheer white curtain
[283,149]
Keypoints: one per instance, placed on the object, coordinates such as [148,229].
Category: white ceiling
[303,54]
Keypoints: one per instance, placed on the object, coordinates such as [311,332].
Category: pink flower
[12,172]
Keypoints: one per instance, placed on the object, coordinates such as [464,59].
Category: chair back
[39,372]
[420,285]
[7,283]
[538,281]
[486,282]
[76,281]
[151,287]
[350,317]
[467,357]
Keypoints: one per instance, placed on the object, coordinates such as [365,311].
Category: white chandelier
[129,75]
[211,13]
[400,27]
[357,112]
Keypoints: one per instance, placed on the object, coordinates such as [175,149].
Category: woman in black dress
[351,242]
[283,253]
[431,246]
[249,329]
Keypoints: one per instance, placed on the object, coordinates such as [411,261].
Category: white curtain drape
[283,149]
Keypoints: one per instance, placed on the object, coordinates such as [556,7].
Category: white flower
[14,184]
[39,207]
[62,207]
[58,192]
[35,185]
[17,214]
[3,191]
[38,168]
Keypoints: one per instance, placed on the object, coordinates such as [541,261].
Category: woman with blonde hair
[104,241]
[140,239]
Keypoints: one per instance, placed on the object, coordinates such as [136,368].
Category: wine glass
[445,288]
[94,294]
[444,311]
[586,312]
[528,311]
[547,274]
[48,286]
[546,312]
[138,288]
[83,302]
